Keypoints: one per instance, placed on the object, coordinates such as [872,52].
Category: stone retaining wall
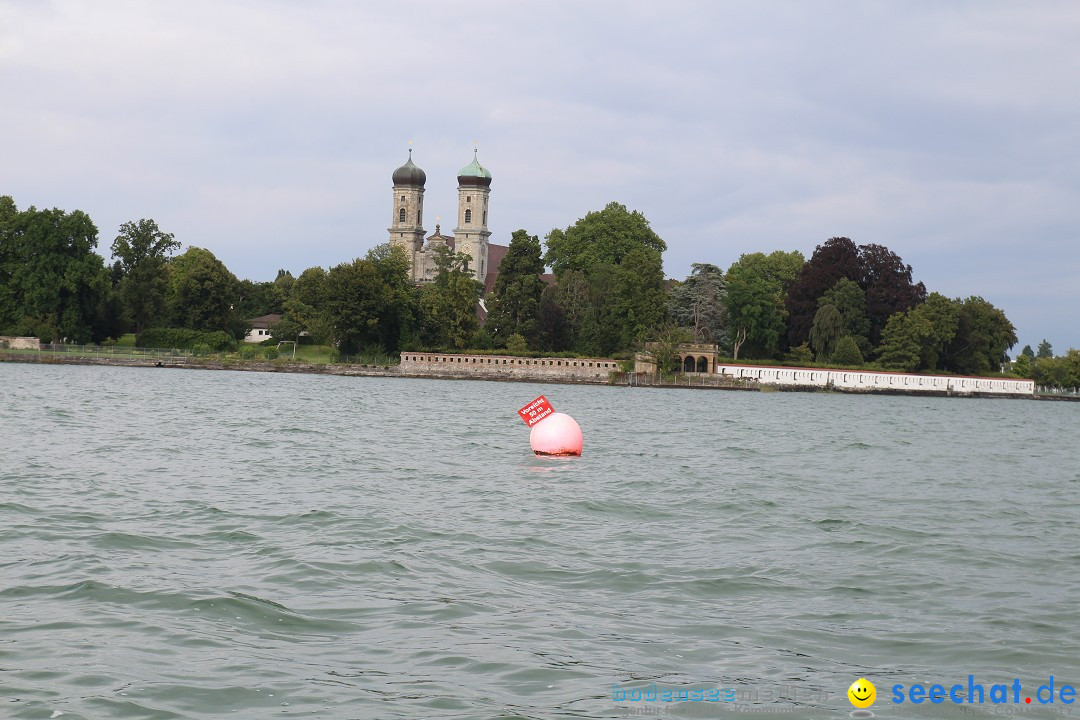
[508,367]
[8,342]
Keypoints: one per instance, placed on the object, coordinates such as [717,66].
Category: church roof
[474,174]
[409,174]
[496,253]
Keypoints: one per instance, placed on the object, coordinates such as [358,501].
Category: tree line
[607,295]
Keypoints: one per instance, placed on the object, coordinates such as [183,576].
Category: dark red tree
[888,286]
[832,261]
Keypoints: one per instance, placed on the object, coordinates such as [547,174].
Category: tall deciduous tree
[983,336]
[883,276]
[552,325]
[52,283]
[448,305]
[850,300]
[202,292]
[355,299]
[888,286]
[514,303]
[142,251]
[903,340]
[600,238]
[826,331]
[639,303]
[610,275]
[700,304]
[757,284]
[834,260]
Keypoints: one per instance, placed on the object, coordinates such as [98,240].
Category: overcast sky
[267,131]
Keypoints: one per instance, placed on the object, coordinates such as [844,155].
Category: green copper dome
[474,174]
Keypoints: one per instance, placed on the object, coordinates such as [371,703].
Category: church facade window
[401,215]
[468,216]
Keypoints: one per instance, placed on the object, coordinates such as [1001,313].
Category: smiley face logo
[862,693]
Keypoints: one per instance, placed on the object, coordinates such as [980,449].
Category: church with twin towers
[470,235]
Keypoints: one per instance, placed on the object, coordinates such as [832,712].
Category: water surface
[194,544]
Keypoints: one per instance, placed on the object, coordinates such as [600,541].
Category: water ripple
[170,548]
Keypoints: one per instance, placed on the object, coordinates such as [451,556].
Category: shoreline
[394,371]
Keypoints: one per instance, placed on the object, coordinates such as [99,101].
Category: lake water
[195,544]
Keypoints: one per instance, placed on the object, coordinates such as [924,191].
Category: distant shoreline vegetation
[852,306]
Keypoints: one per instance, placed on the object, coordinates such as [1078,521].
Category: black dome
[409,174]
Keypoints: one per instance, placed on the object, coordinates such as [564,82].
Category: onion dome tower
[471,234]
[407,228]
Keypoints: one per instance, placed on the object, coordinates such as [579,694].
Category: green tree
[397,323]
[826,331]
[517,345]
[757,284]
[363,303]
[554,335]
[800,354]
[664,349]
[52,283]
[700,303]
[943,315]
[1045,350]
[449,311]
[573,298]
[1059,372]
[1022,367]
[617,296]
[847,352]
[142,251]
[514,303]
[255,299]
[600,238]
[850,300]
[925,330]
[1028,352]
[902,343]
[639,303]
[202,292]
[983,335]
[11,310]
[310,287]
[447,306]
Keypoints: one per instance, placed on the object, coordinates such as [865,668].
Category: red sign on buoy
[536,411]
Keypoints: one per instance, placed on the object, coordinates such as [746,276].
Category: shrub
[516,344]
[847,352]
[800,354]
[248,353]
[481,340]
[185,338]
[270,353]
[200,349]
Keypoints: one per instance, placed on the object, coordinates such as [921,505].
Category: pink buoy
[557,434]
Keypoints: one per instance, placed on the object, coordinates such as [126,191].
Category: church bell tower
[471,234]
[407,228]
